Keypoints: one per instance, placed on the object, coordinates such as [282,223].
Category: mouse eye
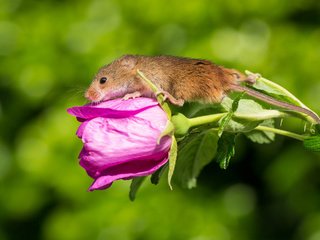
[103,80]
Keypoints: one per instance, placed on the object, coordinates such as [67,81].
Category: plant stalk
[282,132]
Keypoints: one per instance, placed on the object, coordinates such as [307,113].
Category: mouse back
[189,79]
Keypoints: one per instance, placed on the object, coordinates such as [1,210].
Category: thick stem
[205,119]
[260,117]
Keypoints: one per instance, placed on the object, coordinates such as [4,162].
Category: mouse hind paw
[252,78]
[172,99]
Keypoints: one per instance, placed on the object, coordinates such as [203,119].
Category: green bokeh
[49,51]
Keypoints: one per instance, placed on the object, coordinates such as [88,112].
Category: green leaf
[155,177]
[275,90]
[262,136]
[226,149]
[226,103]
[249,109]
[312,143]
[160,98]
[172,159]
[225,120]
[236,126]
[278,92]
[134,187]
[195,152]
[249,115]
[236,101]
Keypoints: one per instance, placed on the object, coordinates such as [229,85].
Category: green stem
[282,132]
[249,117]
[216,117]
[160,98]
[151,85]
[277,131]
[205,119]
[260,117]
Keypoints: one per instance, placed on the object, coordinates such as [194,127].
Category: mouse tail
[275,102]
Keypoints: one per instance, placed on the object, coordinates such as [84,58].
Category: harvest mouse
[179,79]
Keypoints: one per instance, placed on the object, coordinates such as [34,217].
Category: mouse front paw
[131,95]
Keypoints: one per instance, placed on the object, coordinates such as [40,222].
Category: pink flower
[120,139]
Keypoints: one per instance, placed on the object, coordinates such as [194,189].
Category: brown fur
[184,78]
[180,79]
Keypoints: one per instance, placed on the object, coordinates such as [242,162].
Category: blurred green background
[49,52]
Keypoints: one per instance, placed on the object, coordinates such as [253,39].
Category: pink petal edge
[106,181]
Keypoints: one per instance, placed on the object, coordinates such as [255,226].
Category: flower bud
[120,139]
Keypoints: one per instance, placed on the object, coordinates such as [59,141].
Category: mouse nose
[92,95]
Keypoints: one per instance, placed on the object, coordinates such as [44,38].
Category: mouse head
[113,80]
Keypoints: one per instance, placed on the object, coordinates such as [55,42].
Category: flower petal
[112,108]
[126,171]
[110,142]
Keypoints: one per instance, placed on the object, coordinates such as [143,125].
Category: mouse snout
[93,95]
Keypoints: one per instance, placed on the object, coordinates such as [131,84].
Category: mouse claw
[131,95]
[172,99]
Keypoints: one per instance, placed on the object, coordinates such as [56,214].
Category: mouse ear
[202,62]
[128,61]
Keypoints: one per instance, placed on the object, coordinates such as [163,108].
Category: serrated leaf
[225,120]
[194,153]
[312,143]
[134,187]
[249,115]
[226,103]
[236,126]
[172,159]
[236,101]
[251,110]
[262,137]
[226,149]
